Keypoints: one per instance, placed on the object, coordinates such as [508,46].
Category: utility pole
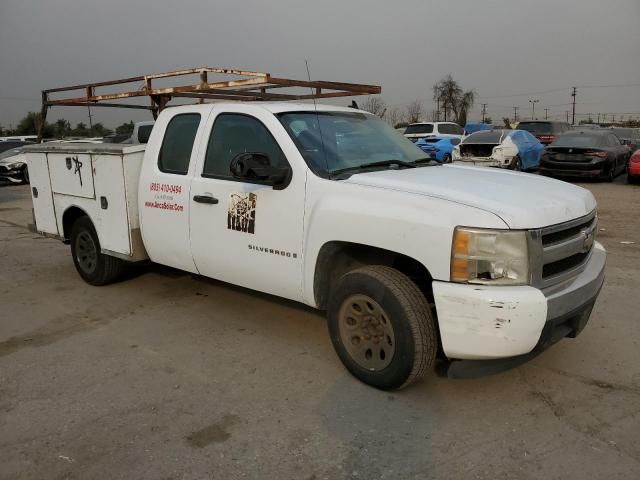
[533,107]
[515,114]
[567,112]
[546,114]
[484,111]
[573,106]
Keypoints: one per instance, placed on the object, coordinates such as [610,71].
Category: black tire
[631,179]
[610,176]
[414,334]
[94,267]
[25,175]
[446,158]
[516,164]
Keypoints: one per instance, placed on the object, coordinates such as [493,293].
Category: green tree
[81,130]
[451,98]
[61,128]
[125,128]
[100,130]
[28,125]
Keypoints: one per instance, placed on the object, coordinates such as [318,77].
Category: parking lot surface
[171,376]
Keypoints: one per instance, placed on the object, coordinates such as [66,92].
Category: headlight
[15,165]
[490,257]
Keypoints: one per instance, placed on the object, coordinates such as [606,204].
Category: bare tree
[451,98]
[374,105]
[394,116]
[415,111]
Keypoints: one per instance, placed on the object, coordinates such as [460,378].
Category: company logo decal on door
[242,212]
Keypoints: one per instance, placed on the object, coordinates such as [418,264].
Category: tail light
[547,138]
[635,159]
[597,154]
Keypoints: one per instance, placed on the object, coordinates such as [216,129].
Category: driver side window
[233,134]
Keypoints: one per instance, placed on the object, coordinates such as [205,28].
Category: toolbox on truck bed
[101,181]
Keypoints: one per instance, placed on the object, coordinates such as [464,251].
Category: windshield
[536,127]
[419,128]
[332,141]
[579,141]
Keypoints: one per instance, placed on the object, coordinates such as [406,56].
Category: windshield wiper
[383,163]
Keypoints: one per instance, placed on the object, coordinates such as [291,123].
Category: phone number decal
[165,188]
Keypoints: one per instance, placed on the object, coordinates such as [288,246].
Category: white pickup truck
[330,207]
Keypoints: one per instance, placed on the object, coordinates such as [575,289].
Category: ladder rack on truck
[231,84]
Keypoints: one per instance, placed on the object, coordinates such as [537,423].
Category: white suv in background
[419,130]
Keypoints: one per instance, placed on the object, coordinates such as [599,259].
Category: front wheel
[446,158]
[25,175]
[93,266]
[381,327]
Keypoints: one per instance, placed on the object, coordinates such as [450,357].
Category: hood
[521,200]
[19,158]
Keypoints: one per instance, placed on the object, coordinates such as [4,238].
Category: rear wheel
[446,158]
[611,174]
[93,266]
[381,327]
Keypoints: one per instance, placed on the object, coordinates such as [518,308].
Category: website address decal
[174,207]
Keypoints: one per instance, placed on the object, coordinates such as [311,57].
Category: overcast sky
[508,51]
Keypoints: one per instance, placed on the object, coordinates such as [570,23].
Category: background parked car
[585,153]
[628,136]
[544,130]
[513,149]
[473,127]
[13,166]
[438,148]
[433,129]
[633,168]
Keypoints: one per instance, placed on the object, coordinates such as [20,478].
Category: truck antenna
[315,108]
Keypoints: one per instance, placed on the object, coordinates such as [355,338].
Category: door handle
[205,199]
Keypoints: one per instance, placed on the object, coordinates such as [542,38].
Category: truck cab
[328,206]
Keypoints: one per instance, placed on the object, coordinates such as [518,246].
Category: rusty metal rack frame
[250,86]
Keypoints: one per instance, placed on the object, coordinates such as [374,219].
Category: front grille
[559,266]
[561,235]
[559,252]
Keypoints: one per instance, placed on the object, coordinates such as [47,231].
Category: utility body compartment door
[249,234]
[41,195]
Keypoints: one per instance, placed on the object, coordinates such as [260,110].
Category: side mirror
[257,167]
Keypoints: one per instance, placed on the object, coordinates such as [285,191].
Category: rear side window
[233,134]
[177,144]
[450,129]
[419,128]
[143,133]
[614,141]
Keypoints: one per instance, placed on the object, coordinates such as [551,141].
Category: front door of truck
[247,233]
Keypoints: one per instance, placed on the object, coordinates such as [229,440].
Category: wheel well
[337,258]
[69,217]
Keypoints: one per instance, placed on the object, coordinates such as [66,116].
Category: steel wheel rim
[86,252]
[366,332]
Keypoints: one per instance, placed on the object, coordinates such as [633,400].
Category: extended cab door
[247,233]
[163,194]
